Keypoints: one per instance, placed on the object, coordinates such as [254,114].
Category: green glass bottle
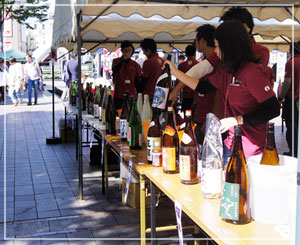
[110,115]
[135,128]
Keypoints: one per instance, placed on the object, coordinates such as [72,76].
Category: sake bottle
[162,88]
[154,133]
[140,103]
[135,128]
[188,153]
[270,156]
[235,197]
[96,102]
[170,144]
[110,115]
[123,118]
[90,101]
[73,94]
[147,111]
[100,103]
[104,106]
[128,118]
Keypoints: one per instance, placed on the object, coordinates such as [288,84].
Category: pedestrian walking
[33,75]
[16,80]
[3,81]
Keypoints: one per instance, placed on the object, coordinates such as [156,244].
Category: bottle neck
[271,140]
[237,146]
[170,119]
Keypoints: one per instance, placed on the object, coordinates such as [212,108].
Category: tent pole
[79,107]
[53,140]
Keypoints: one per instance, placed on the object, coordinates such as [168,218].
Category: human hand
[172,66]
[228,123]
[173,96]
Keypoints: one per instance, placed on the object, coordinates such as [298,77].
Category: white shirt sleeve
[200,70]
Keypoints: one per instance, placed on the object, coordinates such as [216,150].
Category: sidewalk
[42,185]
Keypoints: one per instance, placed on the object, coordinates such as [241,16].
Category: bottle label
[161,77]
[129,136]
[156,159]
[100,113]
[186,139]
[96,110]
[182,126]
[123,128]
[211,180]
[185,167]
[160,97]
[169,131]
[150,144]
[230,201]
[169,158]
[152,124]
[103,115]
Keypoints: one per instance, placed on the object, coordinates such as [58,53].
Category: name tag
[200,95]
[127,81]
[235,82]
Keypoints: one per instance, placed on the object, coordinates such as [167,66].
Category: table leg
[106,171]
[102,164]
[196,231]
[153,218]
[142,209]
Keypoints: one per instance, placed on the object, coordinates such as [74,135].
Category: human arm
[285,87]
[267,110]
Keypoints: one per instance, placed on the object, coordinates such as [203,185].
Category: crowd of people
[233,81]
[19,78]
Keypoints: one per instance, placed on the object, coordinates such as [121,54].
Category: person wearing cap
[3,81]
[289,96]
[249,100]
[33,75]
[151,68]
[126,73]
[16,79]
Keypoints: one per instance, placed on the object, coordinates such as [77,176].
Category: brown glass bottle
[154,133]
[188,153]
[270,156]
[170,143]
[235,197]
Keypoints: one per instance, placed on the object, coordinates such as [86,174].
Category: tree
[21,10]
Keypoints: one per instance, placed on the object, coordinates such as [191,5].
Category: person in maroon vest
[126,72]
[289,95]
[187,93]
[151,68]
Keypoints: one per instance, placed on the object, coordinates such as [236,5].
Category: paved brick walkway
[42,185]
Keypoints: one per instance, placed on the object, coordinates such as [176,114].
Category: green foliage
[21,10]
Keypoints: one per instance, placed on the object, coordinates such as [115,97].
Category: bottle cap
[170,108]
[188,113]
[156,143]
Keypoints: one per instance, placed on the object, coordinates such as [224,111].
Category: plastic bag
[212,150]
